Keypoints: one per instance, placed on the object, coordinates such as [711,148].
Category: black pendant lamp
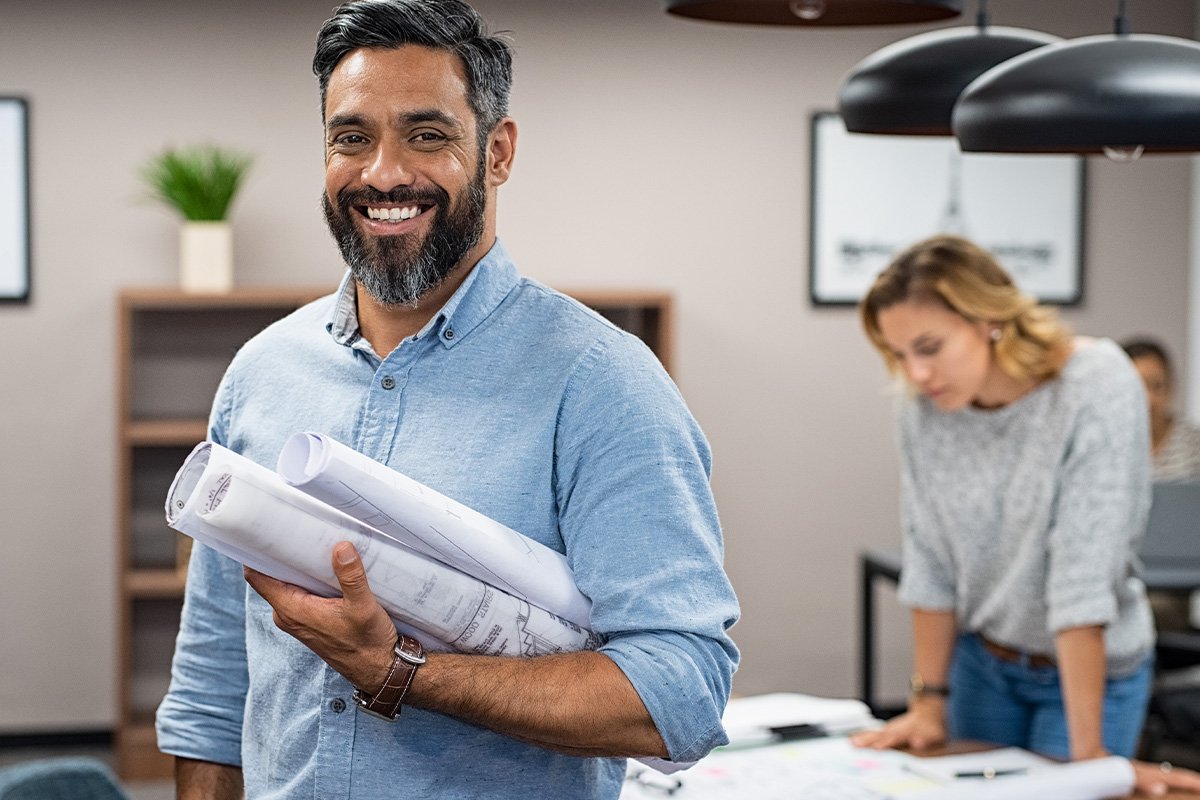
[817,12]
[909,88]
[1121,95]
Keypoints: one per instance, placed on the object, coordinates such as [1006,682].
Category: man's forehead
[408,68]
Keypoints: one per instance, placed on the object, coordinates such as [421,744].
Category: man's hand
[352,633]
[576,703]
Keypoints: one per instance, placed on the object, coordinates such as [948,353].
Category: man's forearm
[204,780]
[576,703]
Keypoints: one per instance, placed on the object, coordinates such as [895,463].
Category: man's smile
[390,213]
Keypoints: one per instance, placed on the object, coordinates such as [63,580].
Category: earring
[996,333]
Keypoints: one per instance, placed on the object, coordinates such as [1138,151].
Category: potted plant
[200,183]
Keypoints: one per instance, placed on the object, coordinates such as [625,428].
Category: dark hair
[441,24]
[1140,348]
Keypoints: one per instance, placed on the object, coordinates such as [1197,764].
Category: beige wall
[653,151]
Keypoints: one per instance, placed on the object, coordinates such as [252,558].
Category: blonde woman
[1025,485]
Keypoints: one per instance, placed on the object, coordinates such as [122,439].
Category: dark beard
[396,270]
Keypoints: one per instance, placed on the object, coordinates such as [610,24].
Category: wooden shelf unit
[173,348]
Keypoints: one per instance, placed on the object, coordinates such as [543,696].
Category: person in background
[1025,485]
[1174,442]
[437,358]
[1174,455]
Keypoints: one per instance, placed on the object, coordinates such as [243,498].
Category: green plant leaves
[198,182]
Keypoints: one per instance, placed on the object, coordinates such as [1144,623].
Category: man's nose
[388,167]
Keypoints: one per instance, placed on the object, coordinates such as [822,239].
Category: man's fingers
[351,574]
[265,585]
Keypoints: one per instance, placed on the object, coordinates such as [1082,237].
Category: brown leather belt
[1016,656]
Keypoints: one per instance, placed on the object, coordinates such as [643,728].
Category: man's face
[405,177]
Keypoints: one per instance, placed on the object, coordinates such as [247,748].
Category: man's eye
[349,140]
[428,138]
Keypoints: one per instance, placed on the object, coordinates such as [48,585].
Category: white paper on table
[945,769]
[1095,779]
[749,720]
[432,523]
[251,514]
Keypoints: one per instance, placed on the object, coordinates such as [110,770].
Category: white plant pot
[206,257]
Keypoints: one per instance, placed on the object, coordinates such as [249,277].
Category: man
[438,359]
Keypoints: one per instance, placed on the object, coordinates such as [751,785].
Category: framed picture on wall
[14,200]
[872,196]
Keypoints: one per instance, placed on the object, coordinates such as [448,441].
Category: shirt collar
[480,293]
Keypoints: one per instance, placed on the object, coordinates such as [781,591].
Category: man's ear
[501,150]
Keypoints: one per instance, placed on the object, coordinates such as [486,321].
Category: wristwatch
[407,656]
[917,687]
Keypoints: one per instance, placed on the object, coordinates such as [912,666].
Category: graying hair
[441,24]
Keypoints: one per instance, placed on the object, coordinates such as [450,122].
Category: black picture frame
[15,228]
[871,196]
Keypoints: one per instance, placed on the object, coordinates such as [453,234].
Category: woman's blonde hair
[966,279]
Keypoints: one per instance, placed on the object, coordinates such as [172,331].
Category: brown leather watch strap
[407,656]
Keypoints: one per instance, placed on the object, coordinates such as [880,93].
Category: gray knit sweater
[1024,520]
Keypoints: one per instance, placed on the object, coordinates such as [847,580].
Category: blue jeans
[1015,704]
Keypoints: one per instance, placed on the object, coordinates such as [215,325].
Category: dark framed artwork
[14,200]
[872,196]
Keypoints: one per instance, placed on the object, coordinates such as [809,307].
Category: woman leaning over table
[1025,485]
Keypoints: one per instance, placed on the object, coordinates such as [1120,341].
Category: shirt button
[338,705]
[388,382]
[449,334]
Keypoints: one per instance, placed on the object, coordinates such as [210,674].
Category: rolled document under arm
[432,523]
[244,509]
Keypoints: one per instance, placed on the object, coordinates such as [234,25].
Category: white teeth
[393,214]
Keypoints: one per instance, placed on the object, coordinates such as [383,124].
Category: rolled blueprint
[249,513]
[433,524]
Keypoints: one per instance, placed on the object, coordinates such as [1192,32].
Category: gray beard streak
[401,288]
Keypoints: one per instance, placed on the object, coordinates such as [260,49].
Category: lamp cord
[981,18]
[1121,22]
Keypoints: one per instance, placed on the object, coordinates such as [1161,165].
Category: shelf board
[167,432]
[287,298]
[154,583]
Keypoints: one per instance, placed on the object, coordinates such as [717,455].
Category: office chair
[73,778]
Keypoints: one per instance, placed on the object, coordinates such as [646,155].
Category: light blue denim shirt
[536,411]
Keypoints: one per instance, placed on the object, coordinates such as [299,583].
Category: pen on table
[989,772]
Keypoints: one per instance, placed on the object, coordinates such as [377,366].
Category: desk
[873,564]
[876,564]
[824,768]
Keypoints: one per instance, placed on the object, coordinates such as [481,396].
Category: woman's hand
[921,727]
[1156,780]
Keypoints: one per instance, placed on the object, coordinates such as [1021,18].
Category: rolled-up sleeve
[1103,501]
[643,538]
